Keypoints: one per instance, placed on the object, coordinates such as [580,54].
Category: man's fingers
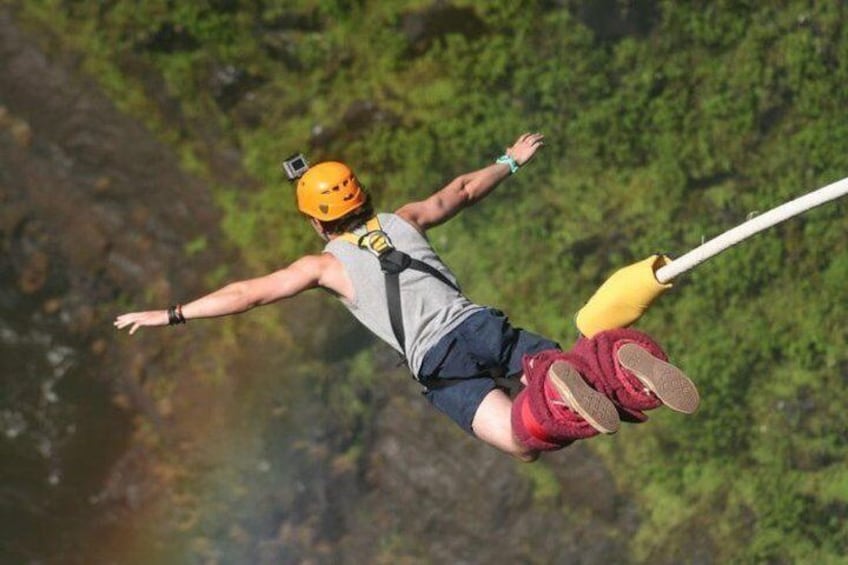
[538,141]
[123,321]
[532,139]
[133,321]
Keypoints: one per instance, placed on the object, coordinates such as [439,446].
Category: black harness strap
[393,262]
[392,279]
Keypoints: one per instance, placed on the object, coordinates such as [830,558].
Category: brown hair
[349,221]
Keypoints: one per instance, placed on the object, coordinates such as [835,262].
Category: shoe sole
[591,405]
[669,383]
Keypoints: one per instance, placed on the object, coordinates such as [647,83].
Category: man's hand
[525,147]
[138,319]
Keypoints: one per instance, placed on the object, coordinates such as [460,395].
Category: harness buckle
[377,242]
[392,260]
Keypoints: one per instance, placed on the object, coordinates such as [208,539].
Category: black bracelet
[175,315]
[173,320]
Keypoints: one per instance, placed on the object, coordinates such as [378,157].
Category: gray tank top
[431,308]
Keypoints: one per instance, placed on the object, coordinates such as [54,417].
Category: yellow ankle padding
[623,297]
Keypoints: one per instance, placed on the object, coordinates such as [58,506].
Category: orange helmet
[328,191]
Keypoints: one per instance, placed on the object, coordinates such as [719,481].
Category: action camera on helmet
[295,166]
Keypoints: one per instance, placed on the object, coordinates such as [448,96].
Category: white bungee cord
[755,225]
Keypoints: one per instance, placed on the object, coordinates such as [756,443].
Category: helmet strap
[319,228]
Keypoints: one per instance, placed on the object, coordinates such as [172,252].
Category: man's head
[330,195]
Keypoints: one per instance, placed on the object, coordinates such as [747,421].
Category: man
[458,350]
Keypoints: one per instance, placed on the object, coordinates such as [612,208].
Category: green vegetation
[665,124]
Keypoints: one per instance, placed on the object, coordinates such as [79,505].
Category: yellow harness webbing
[372,226]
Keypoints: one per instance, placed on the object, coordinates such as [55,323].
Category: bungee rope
[755,225]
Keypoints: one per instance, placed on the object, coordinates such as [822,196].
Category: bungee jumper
[511,388]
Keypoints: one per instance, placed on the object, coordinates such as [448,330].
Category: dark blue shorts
[483,341]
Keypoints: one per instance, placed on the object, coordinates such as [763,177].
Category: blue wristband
[507,160]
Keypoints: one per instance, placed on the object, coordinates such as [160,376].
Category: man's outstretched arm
[469,188]
[239,296]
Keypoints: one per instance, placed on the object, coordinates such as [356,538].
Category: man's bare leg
[492,424]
